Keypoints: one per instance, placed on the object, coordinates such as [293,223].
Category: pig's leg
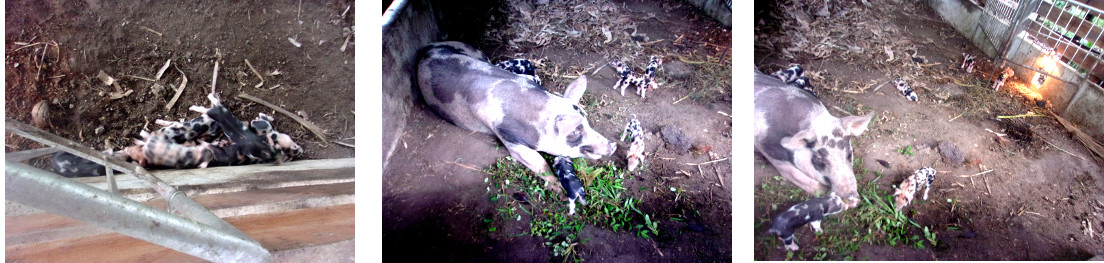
[532,159]
[795,176]
[816,226]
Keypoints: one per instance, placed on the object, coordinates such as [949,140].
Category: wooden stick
[956,117]
[214,76]
[306,124]
[150,30]
[1021,116]
[709,162]
[179,90]
[162,71]
[344,144]
[255,73]
[987,186]
[981,173]
[1063,150]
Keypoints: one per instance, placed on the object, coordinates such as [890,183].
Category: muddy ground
[1036,204]
[435,200]
[55,50]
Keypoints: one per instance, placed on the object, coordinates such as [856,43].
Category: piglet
[923,177]
[635,134]
[905,89]
[809,212]
[70,165]
[520,66]
[565,171]
[968,62]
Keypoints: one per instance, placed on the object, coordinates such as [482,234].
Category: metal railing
[1073,31]
[200,233]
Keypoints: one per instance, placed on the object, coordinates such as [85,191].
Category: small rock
[951,154]
[677,69]
[675,139]
[40,114]
[99,130]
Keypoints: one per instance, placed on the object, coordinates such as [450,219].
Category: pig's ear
[799,140]
[855,125]
[575,91]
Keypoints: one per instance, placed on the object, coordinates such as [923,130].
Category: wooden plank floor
[275,231]
[292,208]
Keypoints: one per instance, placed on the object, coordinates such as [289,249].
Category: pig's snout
[851,200]
[598,150]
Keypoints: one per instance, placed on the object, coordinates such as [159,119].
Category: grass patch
[609,205]
[874,222]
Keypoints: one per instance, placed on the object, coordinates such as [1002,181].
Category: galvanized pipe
[44,190]
[176,200]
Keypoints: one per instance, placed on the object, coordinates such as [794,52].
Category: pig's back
[456,82]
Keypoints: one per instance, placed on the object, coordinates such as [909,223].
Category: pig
[795,76]
[280,142]
[520,66]
[905,89]
[923,177]
[186,131]
[158,150]
[565,171]
[635,134]
[459,84]
[799,137]
[968,62]
[69,165]
[1003,76]
[247,142]
[642,82]
[809,212]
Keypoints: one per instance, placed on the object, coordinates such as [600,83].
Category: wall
[964,16]
[1071,95]
[721,10]
[413,26]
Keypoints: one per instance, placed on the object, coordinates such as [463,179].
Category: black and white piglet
[905,89]
[1002,77]
[643,82]
[795,76]
[904,194]
[635,134]
[968,62]
[565,171]
[70,165]
[520,66]
[809,212]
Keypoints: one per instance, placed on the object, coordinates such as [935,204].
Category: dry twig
[307,124]
[255,73]
[179,90]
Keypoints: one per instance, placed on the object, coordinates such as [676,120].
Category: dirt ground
[434,201]
[1037,203]
[55,50]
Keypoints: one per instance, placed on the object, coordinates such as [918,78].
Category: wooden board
[47,226]
[275,231]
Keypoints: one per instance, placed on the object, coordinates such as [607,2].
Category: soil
[55,50]
[1037,202]
[434,196]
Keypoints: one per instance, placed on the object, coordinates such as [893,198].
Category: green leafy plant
[906,150]
[609,205]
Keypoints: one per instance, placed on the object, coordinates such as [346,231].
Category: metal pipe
[44,190]
[176,200]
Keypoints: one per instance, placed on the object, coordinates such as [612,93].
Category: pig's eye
[576,136]
[818,161]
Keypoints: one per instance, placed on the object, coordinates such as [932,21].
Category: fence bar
[175,199]
[29,154]
[44,190]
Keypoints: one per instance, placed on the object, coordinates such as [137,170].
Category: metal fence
[1072,31]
